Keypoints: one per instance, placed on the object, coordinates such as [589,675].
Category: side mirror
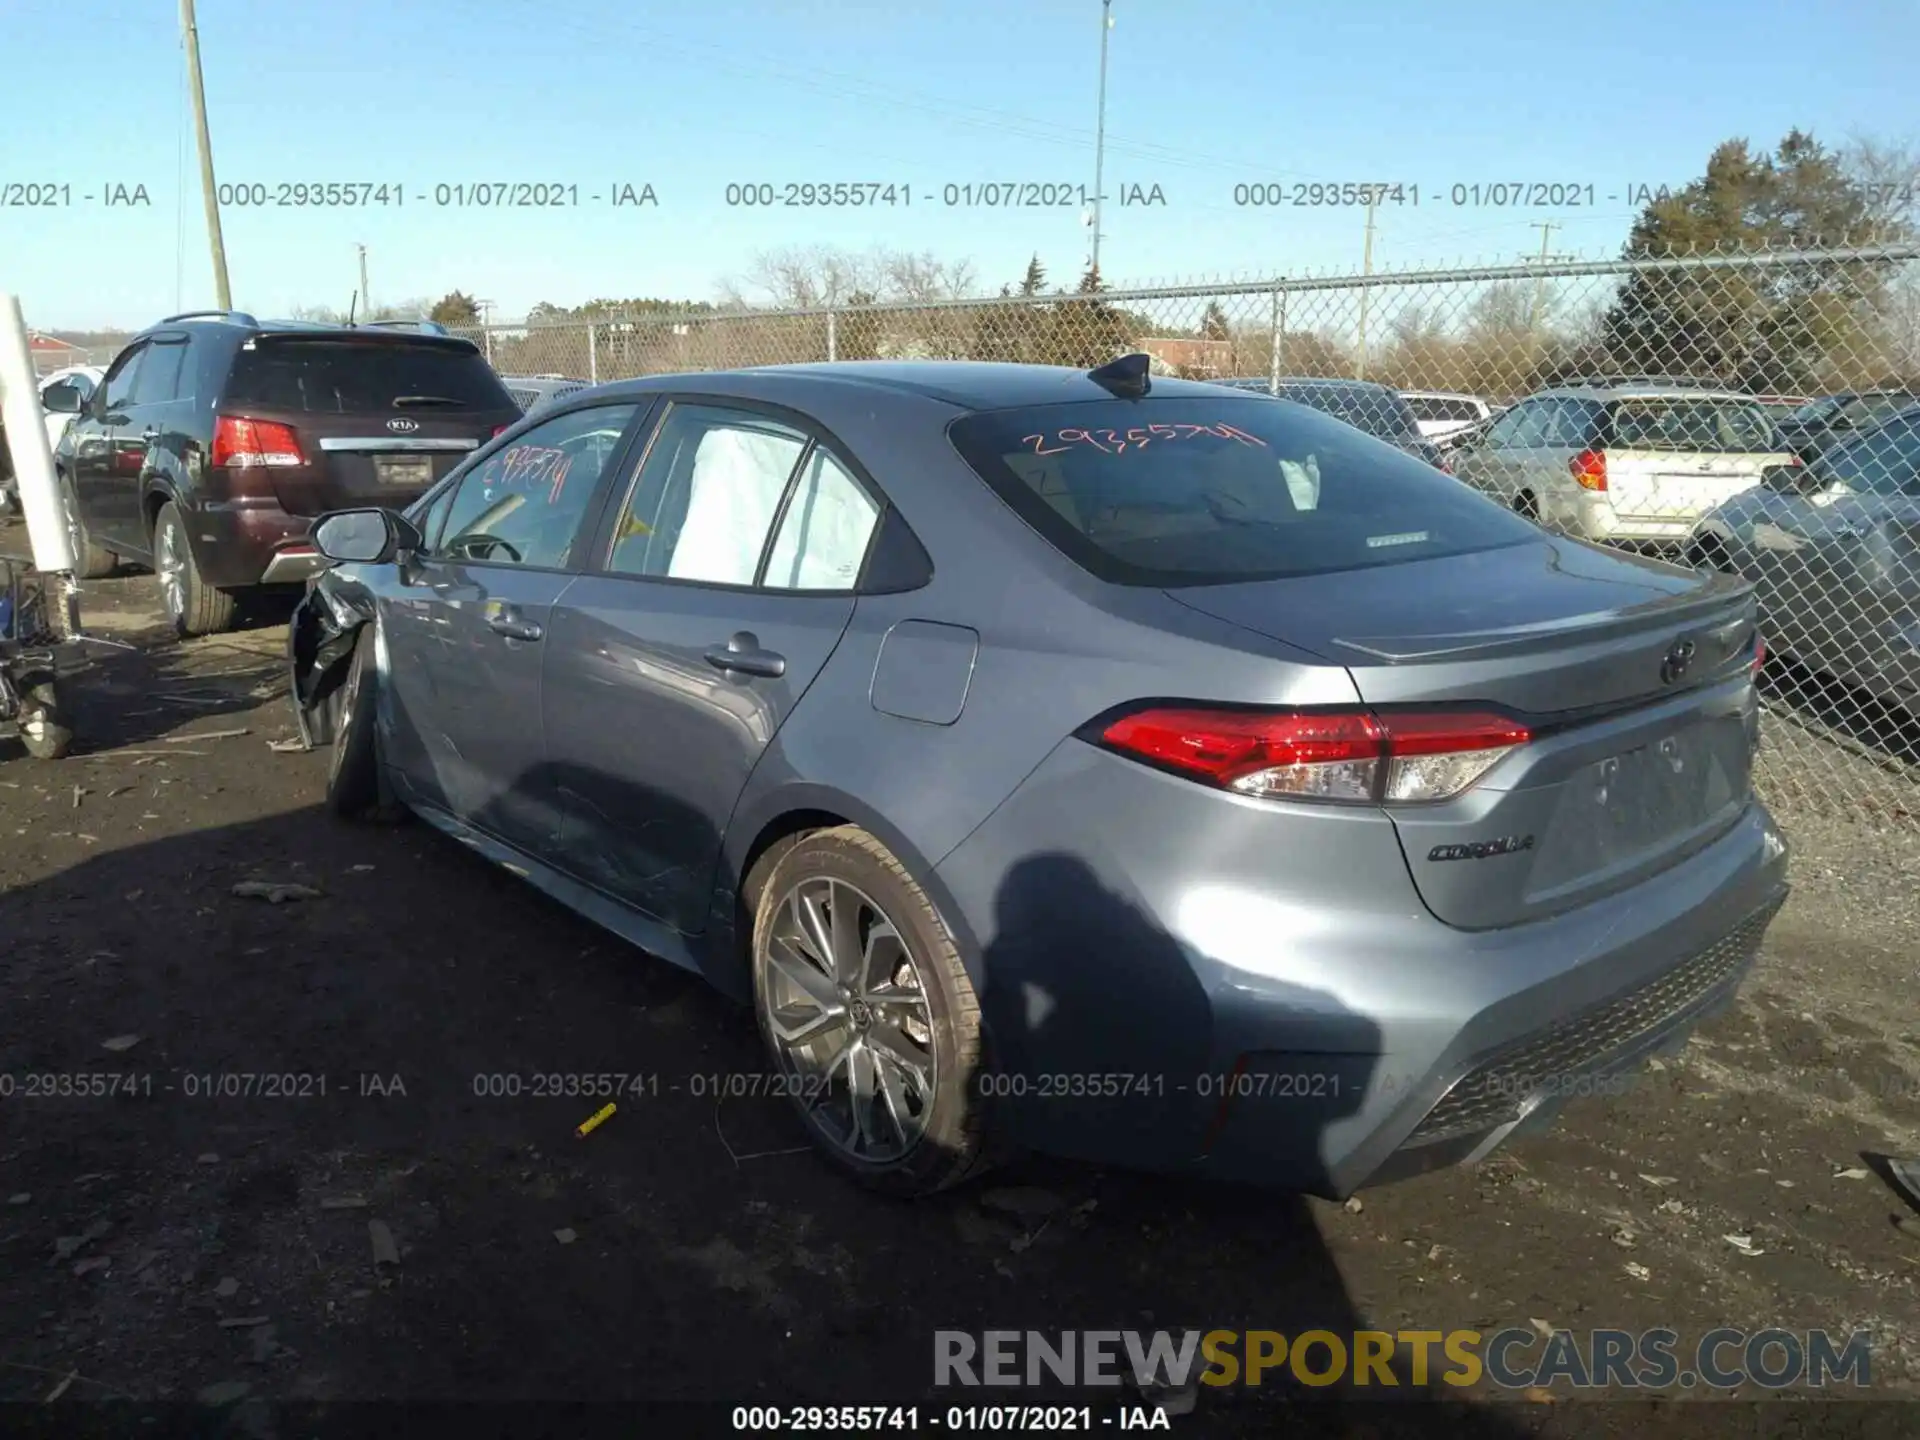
[61,399]
[364,537]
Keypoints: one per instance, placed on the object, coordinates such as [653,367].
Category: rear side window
[333,377]
[1194,492]
[160,372]
[1688,423]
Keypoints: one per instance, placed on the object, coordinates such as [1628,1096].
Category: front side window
[1192,492]
[706,498]
[121,379]
[527,503]
[160,372]
[1882,462]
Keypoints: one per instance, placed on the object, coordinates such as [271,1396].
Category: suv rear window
[1195,492]
[342,376]
[1695,425]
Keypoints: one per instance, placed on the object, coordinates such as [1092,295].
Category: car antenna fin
[1128,377]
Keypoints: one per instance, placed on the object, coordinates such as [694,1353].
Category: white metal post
[593,352]
[26,426]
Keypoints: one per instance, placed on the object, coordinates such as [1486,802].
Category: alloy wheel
[850,1021]
[170,563]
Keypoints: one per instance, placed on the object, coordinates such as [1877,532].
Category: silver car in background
[536,392]
[1638,463]
[1833,549]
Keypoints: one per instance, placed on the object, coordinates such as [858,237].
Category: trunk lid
[1638,756]
[377,416]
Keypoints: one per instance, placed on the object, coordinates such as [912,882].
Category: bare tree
[1887,174]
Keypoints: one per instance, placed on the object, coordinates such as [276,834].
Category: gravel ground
[401,1236]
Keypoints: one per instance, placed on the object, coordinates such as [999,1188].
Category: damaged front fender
[320,640]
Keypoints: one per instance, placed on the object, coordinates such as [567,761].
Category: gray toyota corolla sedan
[1067,760]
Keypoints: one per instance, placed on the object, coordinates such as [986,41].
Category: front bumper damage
[320,640]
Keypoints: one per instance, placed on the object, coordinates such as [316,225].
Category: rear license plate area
[1657,790]
[413,472]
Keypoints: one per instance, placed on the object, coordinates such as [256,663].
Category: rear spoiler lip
[366,335]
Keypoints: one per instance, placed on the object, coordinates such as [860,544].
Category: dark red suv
[216,439]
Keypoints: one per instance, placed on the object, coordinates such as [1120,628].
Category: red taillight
[1354,755]
[1759,652]
[498,431]
[241,443]
[1589,469]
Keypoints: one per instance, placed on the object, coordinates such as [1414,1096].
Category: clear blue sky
[1202,95]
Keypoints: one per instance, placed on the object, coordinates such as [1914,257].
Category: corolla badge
[403,427]
[1679,659]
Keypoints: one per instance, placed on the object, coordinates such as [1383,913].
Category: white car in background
[1446,412]
[80,380]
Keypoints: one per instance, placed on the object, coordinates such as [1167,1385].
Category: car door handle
[742,655]
[513,627]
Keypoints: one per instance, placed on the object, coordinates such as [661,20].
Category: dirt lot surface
[401,1235]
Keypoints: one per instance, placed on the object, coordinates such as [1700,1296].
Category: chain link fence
[1757,412]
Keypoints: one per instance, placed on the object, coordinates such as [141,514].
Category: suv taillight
[1589,469]
[1352,755]
[1759,652]
[241,443]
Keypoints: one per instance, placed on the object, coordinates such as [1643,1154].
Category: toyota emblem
[1679,657]
[403,427]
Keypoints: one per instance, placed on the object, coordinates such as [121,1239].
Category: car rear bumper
[1174,996]
[240,545]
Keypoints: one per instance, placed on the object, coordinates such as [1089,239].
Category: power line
[1100,132]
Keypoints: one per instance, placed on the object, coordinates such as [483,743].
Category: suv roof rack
[429,327]
[240,317]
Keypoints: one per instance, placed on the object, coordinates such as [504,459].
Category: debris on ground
[120,1042]
[92,1263]
[62,1388]
[343,1202]
[1854,1172]
[208,735]
[594,1121]
[1546,1330]
[1744,1244]
[1353,1206]
[24,1197]
[385,1251]
[1660,1181]
[1637,1270]
[274,892]
[287,747]
[565,1237]
[65,1246]
[243,1322]
[227,1288]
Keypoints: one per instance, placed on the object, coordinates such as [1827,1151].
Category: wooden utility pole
[1366,294]
[198,86]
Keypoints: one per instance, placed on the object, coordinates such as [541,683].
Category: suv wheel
[90,561]
[193,606]
[868,1014]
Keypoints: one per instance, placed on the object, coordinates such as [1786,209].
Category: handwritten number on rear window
[1113,442]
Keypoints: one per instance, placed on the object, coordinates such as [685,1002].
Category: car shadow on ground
[381,1045]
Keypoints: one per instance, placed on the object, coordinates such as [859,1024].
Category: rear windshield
[1692,424]
[1378,412]
[1195,492]
[335,377]
[1437,407]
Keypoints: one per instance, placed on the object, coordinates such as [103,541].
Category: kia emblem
[403,427]
[1679,657]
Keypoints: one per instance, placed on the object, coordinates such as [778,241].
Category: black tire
[45,728]
[193,607]
[90,561]
[353,766]
[954,1145]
